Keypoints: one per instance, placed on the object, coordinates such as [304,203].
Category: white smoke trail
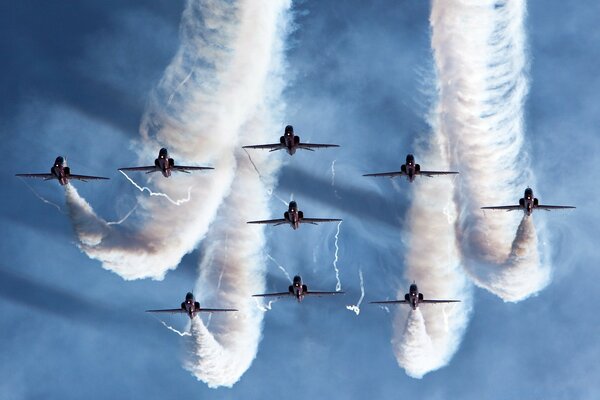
[119,222]
[480,54]
[42,198]
[479,48]
[281,267]
[338,285]
[169,327]
[356,308]
[220,356]
[432,335]
[415,350]
[224,59]
[166,196]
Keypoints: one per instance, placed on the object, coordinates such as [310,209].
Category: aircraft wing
[311,146]
[272,147]
[85,178]
[183,168]
[210,310]
[40,176]
[274,222]
[438,301]
[390,302]
[150,168]
[315,221]
[319,293]
[388,174]
[507,208]
[280,294]
[170,311]
[548,208]
[433,173]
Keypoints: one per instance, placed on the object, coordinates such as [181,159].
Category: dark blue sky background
[76,77]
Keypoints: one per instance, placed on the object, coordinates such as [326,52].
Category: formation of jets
[293,217]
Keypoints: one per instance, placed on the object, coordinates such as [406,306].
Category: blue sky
[76,80]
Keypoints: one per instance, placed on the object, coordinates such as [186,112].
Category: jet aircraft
[411,170]
[298,290]
[294,217]
[290,142]
[165,165]
[61,172]
[527,203]
[414,298]
[191,307]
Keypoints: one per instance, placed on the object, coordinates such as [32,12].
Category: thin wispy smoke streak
[166,196]
[213,86]
[356,307]
[281,268]
[338,284]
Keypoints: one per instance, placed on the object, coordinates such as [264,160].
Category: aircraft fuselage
[413,296]
[528,202]
[297,288]
[290,140]
[190,305]
[60,170]
[164,163]
[292,215]
[410,168]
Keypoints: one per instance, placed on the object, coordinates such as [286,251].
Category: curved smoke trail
[233,265]
[232,254]
[480,55]
[214,85]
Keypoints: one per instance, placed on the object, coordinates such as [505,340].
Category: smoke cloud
[480,54]
[215,84]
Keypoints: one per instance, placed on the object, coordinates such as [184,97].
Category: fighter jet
[298,290]
[414,298]
[61,172]
[191,307]
[528,203]
[166,165]
[411,170]
[294,217]
[290,143]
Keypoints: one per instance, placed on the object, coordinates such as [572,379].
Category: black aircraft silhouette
[61,172]
[414,298]
[298,290]
[527,203]
[294,217]
[290,143]
[411,170]
[191,307]
[166,165]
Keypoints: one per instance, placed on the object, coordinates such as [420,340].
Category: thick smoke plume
[215,84]
[481,60]
[429,340]
[481,63]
